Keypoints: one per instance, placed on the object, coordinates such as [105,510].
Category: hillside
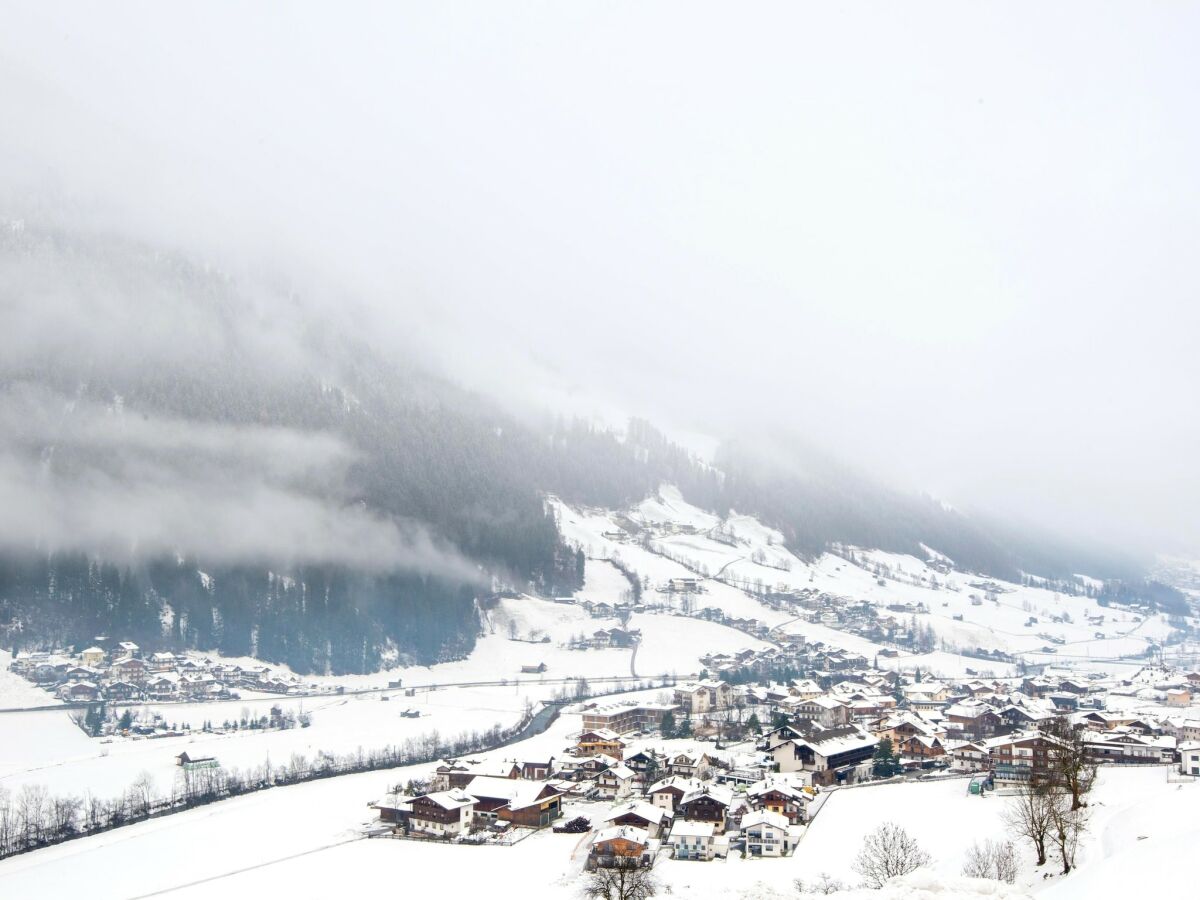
[214,467]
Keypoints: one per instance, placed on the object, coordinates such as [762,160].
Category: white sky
[954,243]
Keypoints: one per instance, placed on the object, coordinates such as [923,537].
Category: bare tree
[992,859]
[886,852]
[624,881]
[1071,769]
[1067,824]
[1030,815]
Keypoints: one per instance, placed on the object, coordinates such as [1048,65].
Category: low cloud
[81,476]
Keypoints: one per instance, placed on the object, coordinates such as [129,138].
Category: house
[92,656]
[1179,697]
[688,764]
[443,813]
[707,803]
[615,782]
[1021,758]
[696,840]
[533,670]
[970,756]
[600,741]
[972,720]
[646,764]
[779,797]
[830,755]
[767,834]
[130,669]
[654,820]
[1128,747]
[699,697]
[129,649]
[529,804]
[826,711]
[162,661]
[621,845]
[1189,758]
[537,769]
[921,746]
[670,791]
[79,691]
[122,690]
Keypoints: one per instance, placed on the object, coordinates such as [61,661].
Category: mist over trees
[191,465]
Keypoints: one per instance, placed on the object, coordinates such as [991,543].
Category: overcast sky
[953,243]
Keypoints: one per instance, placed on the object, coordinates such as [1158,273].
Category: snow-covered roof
[764,817]
[689,828]
[452,799]
[639,808]
[517,793]
[622,832]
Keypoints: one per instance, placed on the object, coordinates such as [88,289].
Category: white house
[615,782]
[767,833]
[697,840]
[1189,759]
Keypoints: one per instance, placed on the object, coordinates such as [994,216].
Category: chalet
[529,804]
[130,669]
[591,766]
[825,710]
[163,661]
[1128,747]
[536,769]
[533,669]
[122,690]
[971,756]
[161,687]
[669,792]
[129,649]
[615,782]
[79,691]
[972,720]
[767,834]
[1021,758]
[443,813]
[688,764]
[654,820]
[600,741]
[707,803]
[621,845]
[696,840]
[779,797]
[921,746]
[830,755]
[683,585]
[646,764]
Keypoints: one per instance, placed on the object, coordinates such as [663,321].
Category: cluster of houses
[647,793]
[123,673]
[649,800]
